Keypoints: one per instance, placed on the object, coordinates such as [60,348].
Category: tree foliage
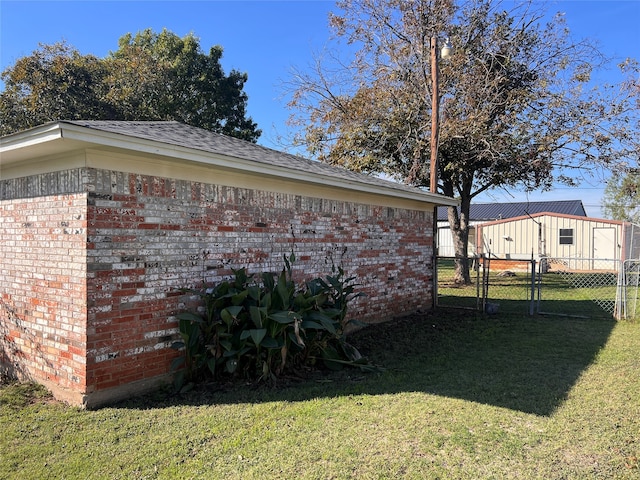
[54,82]
[152,76]
[622,197]
[516,103]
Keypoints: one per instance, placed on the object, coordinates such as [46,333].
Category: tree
[516,109]
[152,76]
[622,197]
[54,82]
[167,77]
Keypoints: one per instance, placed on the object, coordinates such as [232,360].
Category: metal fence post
[533,286]
[477,263]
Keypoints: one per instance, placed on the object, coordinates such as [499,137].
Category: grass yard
[460,397]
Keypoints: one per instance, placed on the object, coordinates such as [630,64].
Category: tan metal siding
[519,238]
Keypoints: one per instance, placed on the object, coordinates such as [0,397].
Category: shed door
[604,247]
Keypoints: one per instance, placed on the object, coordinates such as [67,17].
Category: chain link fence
[573,287]
[453,294]
[628,291]
[631,241]
[577,287]
[496,285]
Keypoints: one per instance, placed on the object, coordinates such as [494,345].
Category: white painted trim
[28,138]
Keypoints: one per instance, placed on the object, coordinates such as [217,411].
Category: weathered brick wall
[42,282]
[150,236]
[147,237]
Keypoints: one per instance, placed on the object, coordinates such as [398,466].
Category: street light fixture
[446,51]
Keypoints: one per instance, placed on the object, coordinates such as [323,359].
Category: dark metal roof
[486,212]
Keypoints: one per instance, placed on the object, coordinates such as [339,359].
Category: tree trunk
[459,224]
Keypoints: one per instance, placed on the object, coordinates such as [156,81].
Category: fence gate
[578,287]
[498,285]
[572,287]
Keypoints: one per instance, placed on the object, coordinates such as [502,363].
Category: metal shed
[552,235]
[488,212]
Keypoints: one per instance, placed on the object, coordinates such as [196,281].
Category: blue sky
[267,38]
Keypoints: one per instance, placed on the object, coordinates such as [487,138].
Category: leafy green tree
[152,76]
[516,106]
[54,82]
[621,199]
[163,76]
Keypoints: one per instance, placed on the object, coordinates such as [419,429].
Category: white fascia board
[35,136]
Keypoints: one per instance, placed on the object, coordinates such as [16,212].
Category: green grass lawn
[460,396]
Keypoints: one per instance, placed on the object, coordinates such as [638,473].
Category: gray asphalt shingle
[179,134]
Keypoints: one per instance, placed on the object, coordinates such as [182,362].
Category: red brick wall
[43,289]
[147,237]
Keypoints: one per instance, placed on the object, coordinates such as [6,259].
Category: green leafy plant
[261,326]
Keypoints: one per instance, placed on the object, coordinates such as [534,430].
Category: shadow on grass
[590,309]
[521,363]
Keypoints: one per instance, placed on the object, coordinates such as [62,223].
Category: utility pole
[435,113]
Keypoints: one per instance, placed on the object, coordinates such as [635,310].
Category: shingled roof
[182,135]
[484,212]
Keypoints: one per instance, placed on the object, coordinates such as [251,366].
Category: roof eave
[81,135]
[34,136]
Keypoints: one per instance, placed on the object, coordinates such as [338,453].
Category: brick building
[103,222]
